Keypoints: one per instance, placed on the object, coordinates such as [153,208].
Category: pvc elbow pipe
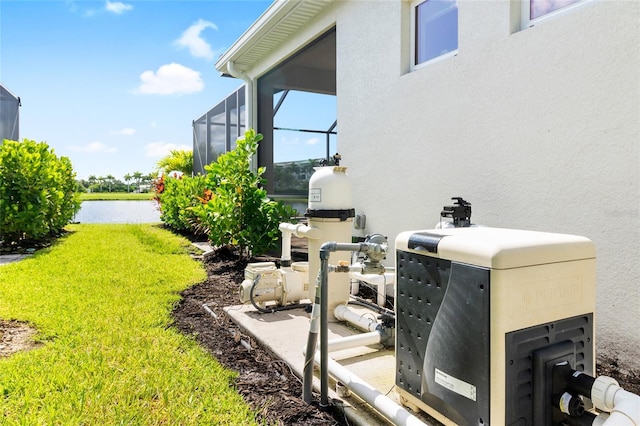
[286,246]
[301,230]
[626,409]
[624,406]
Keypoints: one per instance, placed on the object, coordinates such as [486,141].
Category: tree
[110,179]
[92,181]
[100,180]
[127,178]
[138,178]
[178,160]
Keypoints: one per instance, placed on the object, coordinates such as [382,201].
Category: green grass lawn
[101,300]
[101,196]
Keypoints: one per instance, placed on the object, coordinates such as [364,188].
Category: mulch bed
[265,382]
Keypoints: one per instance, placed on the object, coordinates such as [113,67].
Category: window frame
[525,12]
[414,40]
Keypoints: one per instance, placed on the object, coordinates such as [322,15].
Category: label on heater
[456,385]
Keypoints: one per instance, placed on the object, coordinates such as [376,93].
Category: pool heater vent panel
[473,304]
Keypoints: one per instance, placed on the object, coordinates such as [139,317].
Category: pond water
[118,211]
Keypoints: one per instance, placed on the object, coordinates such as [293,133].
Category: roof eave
[244,52]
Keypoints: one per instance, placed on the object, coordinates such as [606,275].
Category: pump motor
[264,282]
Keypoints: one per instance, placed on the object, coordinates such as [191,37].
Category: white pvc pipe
[343,313]
[599,420]
[299,230]
[286,246]
[626,409]
[382,403]
[624,406]
[355,341]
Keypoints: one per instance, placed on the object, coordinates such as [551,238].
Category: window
[532,10]
[435,29]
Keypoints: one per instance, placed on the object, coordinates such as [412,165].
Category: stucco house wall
[539,128]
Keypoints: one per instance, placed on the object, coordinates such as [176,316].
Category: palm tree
[178,160]
[92,181]
[110,179]
[127,178]
[100,180]
[138,177]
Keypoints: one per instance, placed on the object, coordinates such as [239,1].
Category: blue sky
[115,85]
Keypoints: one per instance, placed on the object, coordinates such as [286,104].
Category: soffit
[279,22]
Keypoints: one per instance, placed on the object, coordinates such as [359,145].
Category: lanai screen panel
[200,144]
[216,132]
[9,115]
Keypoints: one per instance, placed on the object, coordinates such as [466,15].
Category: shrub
[176,197]
[37,192]
[238,212]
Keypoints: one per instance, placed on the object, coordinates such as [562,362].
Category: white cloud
[170,79]
[285,140]
[162,149]
[312,141]
[192,40]
[117,7]
[125,131]
[94,147]
[71,5]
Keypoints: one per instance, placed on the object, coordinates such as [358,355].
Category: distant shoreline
[112,196]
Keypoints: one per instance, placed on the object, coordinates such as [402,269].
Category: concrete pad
[9,258]
[203,245]
[285,334]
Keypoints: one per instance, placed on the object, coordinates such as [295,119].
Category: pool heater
[476,306]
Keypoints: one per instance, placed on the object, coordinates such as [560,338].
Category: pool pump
[330,218]
[477,307]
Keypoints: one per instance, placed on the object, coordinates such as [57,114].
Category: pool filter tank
[475,306]
[330,211]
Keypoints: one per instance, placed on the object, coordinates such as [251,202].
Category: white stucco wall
[539,129]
